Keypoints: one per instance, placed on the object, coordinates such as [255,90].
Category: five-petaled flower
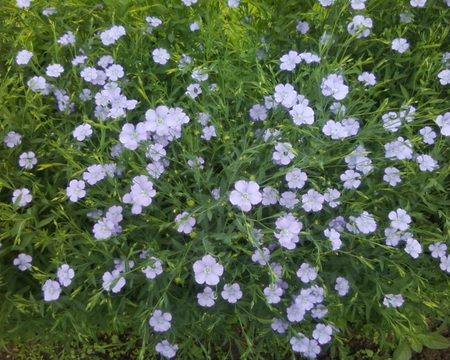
[52,290]
[207,270]
[21,197]
[159,321]
[245,195]
[23,261]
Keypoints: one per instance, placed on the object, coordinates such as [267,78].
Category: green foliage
[239,48]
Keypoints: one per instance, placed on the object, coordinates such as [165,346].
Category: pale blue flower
[322,333]
[27,160]
[164,348]
[285,95]
[283,154]
[366,223]
[302,27]
[113,281]
[184,223]
[49,11]
[445,263]
[342,286]
[391,176]
[207,298]
[231,293]
[111,35]
[258,112]
[312,201]
[413,247]
[288,199]
[334,237]
[261,256]
[193,90]
[279,325]
[290,60]
[335,130]
[400,45]
[207,270]
[23,57]
[438,250]
[391,300]
[427,163]
[154,269]
[23,4]
[82,132]
[65,275]
[400,219]
[273,293]
[289,228]
[358,4]
[76,190]
[319,311]
[233,3]
[296,178]
[67,39]
[428,135]
[160,56]
[159,321]
[302,114]
[360,26]
[418,3]
[12,139]
[306,273]
[295,312]
[21,197]
[51,290]
[23,261]
[245,195]
[443,121]
[444,77]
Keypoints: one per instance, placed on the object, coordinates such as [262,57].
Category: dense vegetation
[208,179]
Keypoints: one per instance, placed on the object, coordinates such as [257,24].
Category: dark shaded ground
[358,348]
[427,354]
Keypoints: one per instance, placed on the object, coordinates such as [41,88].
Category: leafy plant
[227,178]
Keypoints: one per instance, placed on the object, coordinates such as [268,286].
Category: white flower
[27,160]
[444,77]
[358,4]
[21,197]
[360,26]
[160,56]
[418,3]
[23,3]
[23,57]
[290,60]
[81,132]
[400,45]
[302,27]
[391,300]
[326,2]
[49,11]
[194,26]
[193,90]
[367,78]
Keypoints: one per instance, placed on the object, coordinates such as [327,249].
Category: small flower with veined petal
[207,270]
[245,195]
